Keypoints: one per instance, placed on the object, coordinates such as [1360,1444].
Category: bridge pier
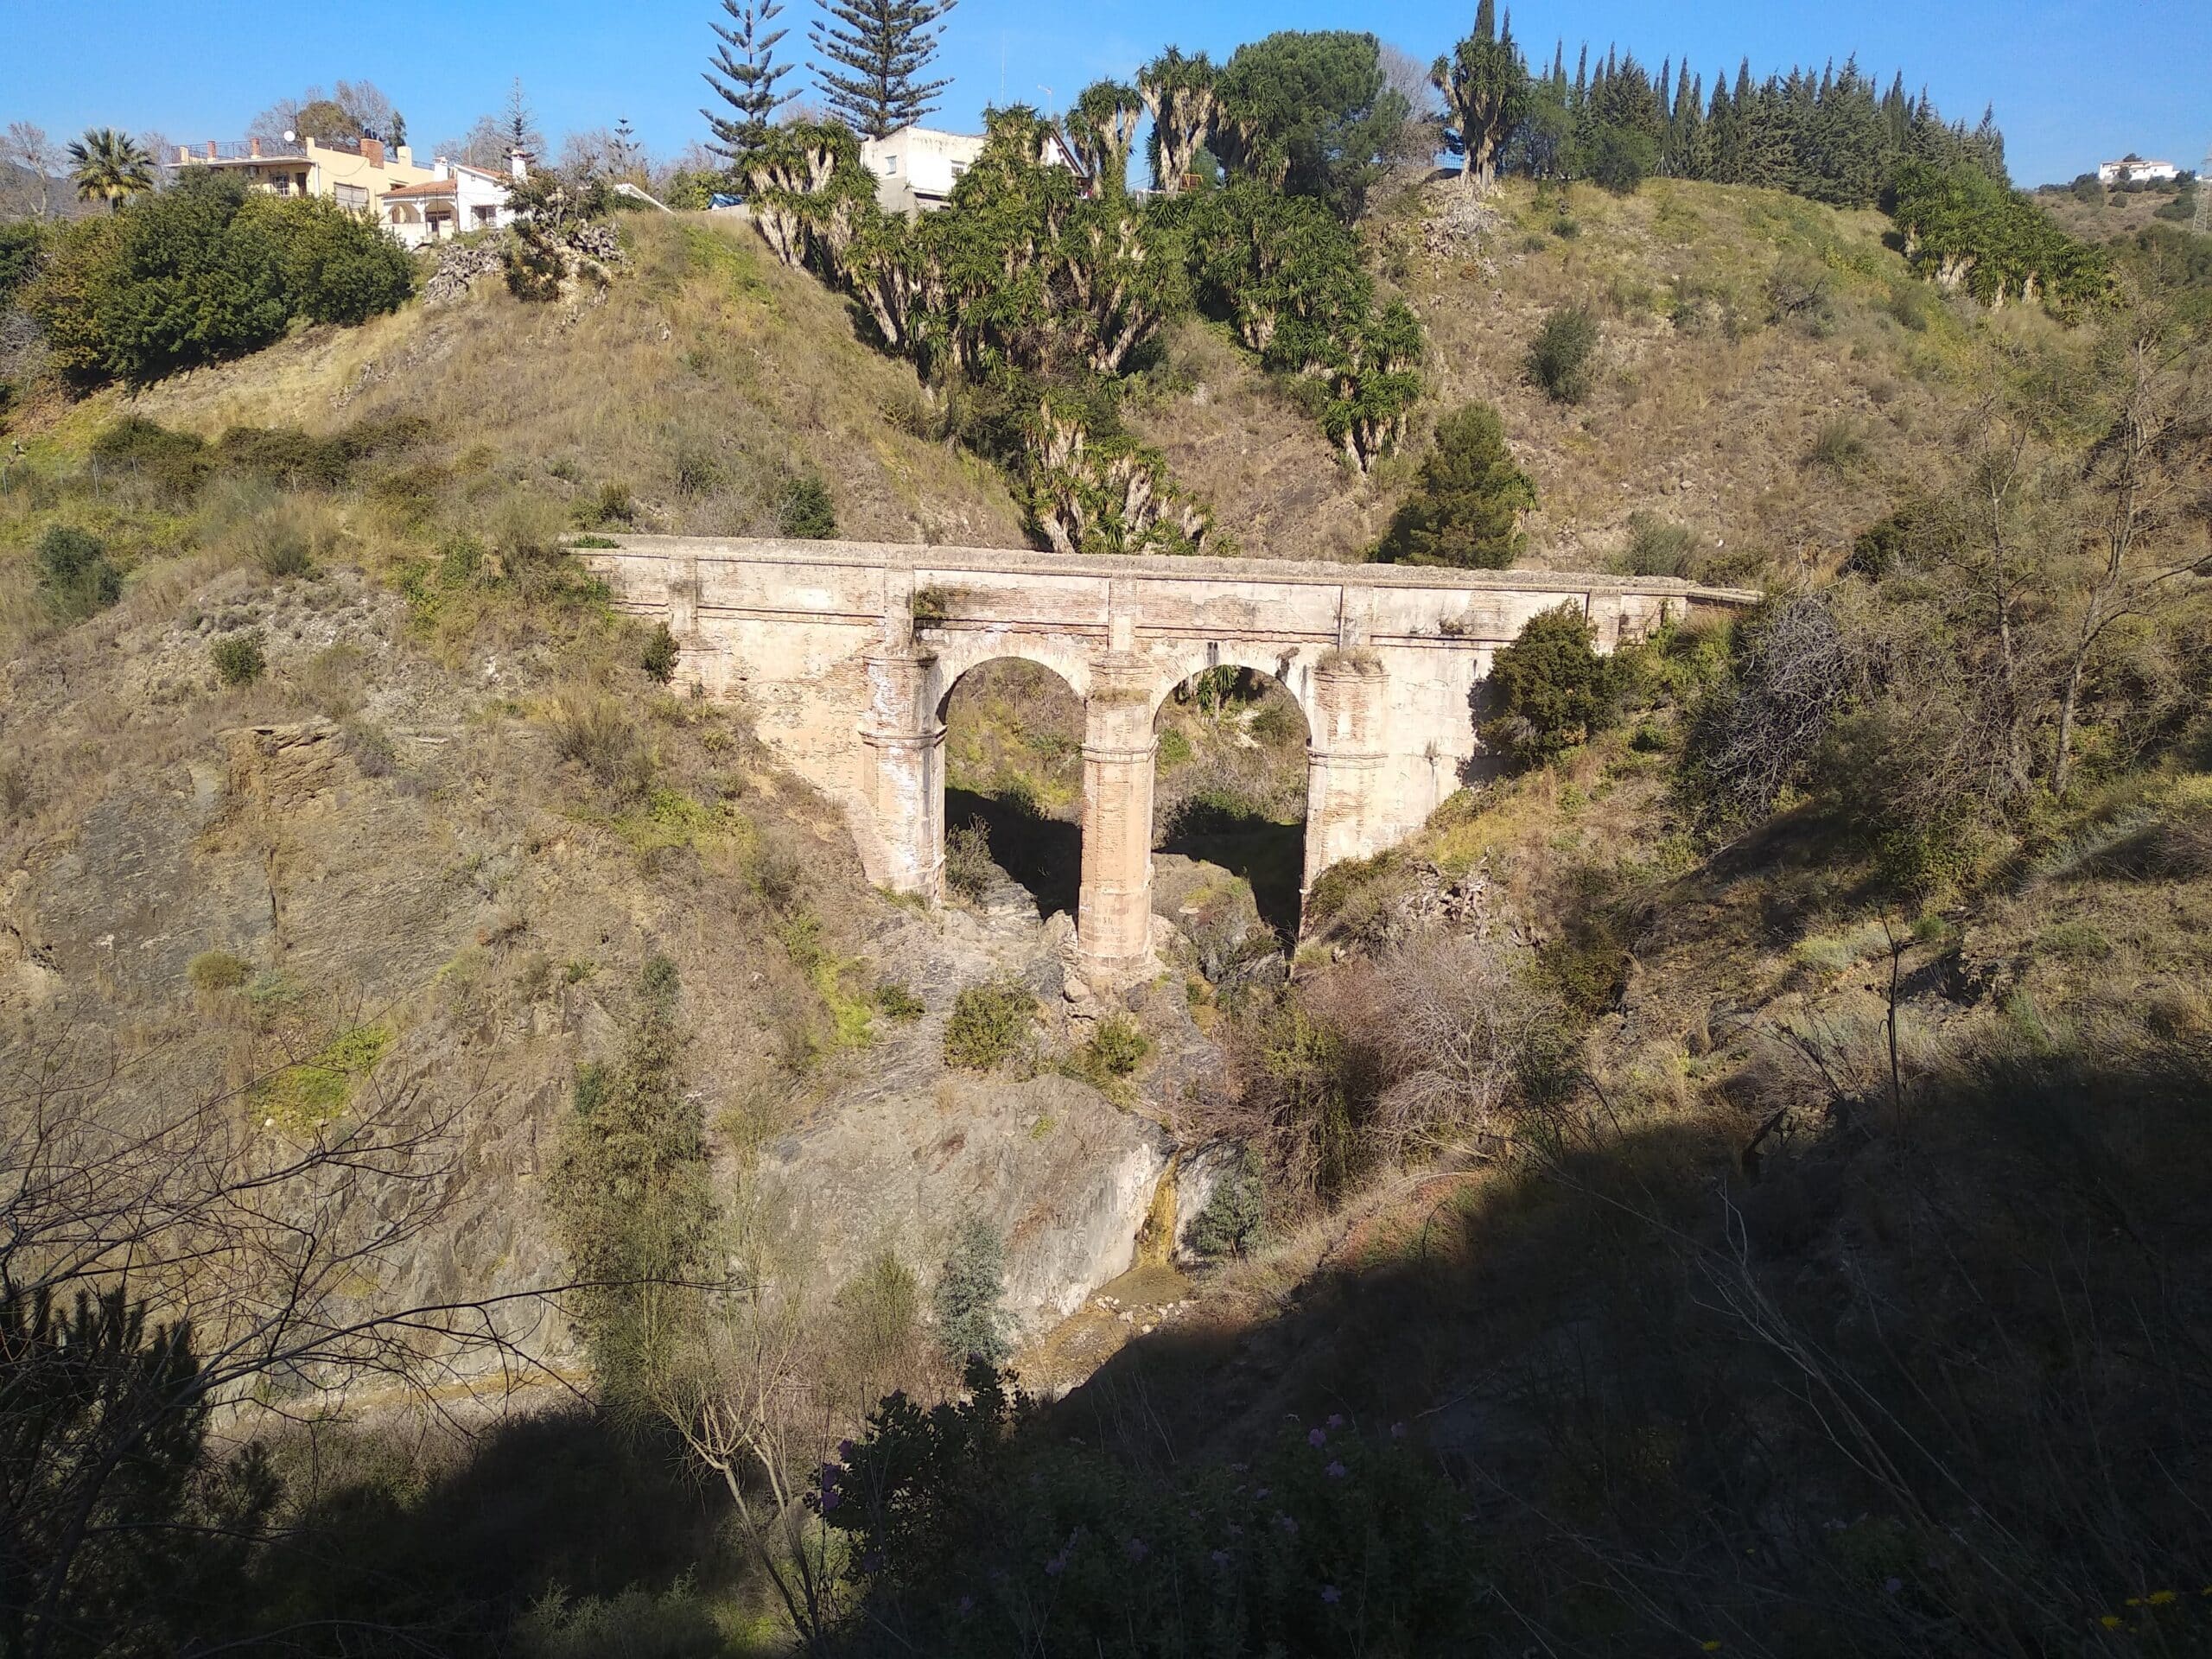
[905,740]
[1112,925]
[1344,765]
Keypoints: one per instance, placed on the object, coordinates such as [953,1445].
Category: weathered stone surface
[847,651]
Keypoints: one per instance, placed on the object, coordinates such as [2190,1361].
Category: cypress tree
[878,48]
[743,74]
[1723,144]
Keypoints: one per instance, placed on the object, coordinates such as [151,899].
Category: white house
[455,197]
[2134,169]
[916,168]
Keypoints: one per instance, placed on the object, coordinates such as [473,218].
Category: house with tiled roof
[457,198]
[415,203]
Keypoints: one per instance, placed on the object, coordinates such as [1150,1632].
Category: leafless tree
[201,1263]
[28,147]
[1467,1024]
[2148,500]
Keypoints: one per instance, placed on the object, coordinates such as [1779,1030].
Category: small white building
[916,168]
[2134,169]
[455,199]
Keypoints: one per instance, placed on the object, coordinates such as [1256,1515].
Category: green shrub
[660,658]
[237,657]
[1657,548]
[611,505]
[1553,689]
[1559,360]
[205,270]
[989,1025]
[1621,158]
[970,1323]
[177,462]
[897,1001]
[805,509]
[1116,1048]
[217,970]
[286,455]
[75,576]
[1466,506]
[1233,1220]
[1175,748]
[22,248]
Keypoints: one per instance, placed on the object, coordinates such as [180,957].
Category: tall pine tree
[871,53]
[744,76]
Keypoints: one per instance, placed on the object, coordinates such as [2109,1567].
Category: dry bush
[1469,1032]
[592,730]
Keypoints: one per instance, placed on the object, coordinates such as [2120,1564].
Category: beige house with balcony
[417,203]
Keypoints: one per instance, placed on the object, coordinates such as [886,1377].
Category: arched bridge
[846,652]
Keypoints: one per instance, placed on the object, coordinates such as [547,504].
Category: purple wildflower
[1221,1558]
[1317,1437]
[1336,1420]
[1331,1594]
[1054,1568]
[1335,1471]
[967,1604]
[1136,1549]
[1262,1492]
[845,1449]
[1397,1431]
[830,1499]
[1289,1524]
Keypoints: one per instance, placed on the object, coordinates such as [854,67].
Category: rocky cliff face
[369,840]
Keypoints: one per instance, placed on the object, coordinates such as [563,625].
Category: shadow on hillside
[1934,1383]
[1269,855]
[1045,856]
[387,1559]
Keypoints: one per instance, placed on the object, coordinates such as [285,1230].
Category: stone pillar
[1113,914]
[1344,764]
[904,741]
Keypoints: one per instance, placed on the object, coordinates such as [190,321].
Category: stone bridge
[846,653]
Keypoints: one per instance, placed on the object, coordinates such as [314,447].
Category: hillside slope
[1770,377]
[699,386]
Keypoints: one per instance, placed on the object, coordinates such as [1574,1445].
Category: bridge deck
[1010,560]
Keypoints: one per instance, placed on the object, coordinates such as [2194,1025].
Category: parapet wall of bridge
[846,653]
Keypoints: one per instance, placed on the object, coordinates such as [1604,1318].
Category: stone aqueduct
[846,653]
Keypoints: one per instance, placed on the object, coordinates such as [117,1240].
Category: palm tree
[109,166]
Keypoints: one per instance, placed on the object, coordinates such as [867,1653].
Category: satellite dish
[291,137]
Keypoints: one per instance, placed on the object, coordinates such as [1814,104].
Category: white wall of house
[2136,172]
[916,168]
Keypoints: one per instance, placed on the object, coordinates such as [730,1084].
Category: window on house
[351,195]
[959,167]
[485,215]
[890,164]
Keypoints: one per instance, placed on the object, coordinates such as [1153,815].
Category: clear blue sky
[2072,82]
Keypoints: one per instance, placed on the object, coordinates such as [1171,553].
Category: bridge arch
[1031,840]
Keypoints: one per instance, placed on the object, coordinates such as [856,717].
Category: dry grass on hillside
[1769,377]
[709,379]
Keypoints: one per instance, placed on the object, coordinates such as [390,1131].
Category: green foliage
[898,1003]
[1963,229]
[1289,280]
[239,657]
[659,656]
[1310,113]
[630,1189]
[1116,1048]
[1553,689]
[23,250]
[204,271]
[1233,1220]
[1620,159]
[217,970]
[989,1025]
[304,1099]
[1560,358]
[1465,508]
[971,1323]
[967,864]
[1657,548]
[1486,91]
[806,511]
[873,54]
[75,576]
